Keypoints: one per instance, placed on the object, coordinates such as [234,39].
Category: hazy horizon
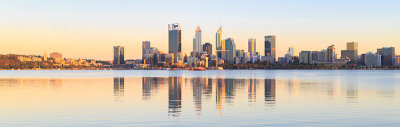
[90,29]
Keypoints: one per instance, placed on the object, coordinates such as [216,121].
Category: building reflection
[251,88]
[197,86]
[119,86]
[270,95]
[55,83]
[174,96]
[351,93]
[150,85]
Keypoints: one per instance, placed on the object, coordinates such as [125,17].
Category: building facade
[197,40]
[387,55]
[145,48]
[230,50]
[174,38]
[56,55]
[207,47]
[218,42]
[269,49]
[118,55]
[252,49]
[330,54]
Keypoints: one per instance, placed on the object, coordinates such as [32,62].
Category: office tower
[387,55]
[55,55]
[252,46]
[197,40]
[372,59]
[322,56]
[145,49]
[270,46]
[305,57]
[291,51]
[230,50]
[45,56]
[174,38]
[352,45]
[330,54]
[351,52]
[314,57]
[207,47]
[118,55]
[218,42]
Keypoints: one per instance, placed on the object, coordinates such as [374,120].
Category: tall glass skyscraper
[252,46]
[270,46]
[218,42]
[145,48]
[330,54]
[197,40]
[174,38]
[118,55]
[230,50]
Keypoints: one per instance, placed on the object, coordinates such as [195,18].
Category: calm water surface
[210,98]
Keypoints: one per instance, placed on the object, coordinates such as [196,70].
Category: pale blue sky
[89,28]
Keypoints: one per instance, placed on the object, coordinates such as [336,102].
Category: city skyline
[58,28]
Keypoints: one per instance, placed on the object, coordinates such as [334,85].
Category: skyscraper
[56,55]
[387,55]
[218,42]
[330,54]
[351,52]
[207,47]
[270,46]
[252,46]
[118,55]
[174,38]
[291,51]
[230,50]
[197,40]
[145,48]
[352,45]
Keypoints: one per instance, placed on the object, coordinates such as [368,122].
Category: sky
[90,28]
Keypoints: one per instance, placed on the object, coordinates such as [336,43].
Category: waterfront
[206,98]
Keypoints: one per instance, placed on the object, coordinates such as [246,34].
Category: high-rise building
[352,45]
[270,46]
[218,42]
[291,51]
[174,38]
[330,54]
[45,56]
[252,47]
[387,55]
[118,55]
[322,56]
[351,52]
[145,48]
[230,50]
[55,55]
[372,59]
[197,40]
[207,47]
[305,57]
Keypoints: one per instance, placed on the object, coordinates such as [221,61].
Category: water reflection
[151,85]
[270,91]
[174,96]
[119,83]
[184,97]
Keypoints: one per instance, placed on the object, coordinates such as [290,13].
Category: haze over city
[89,29]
